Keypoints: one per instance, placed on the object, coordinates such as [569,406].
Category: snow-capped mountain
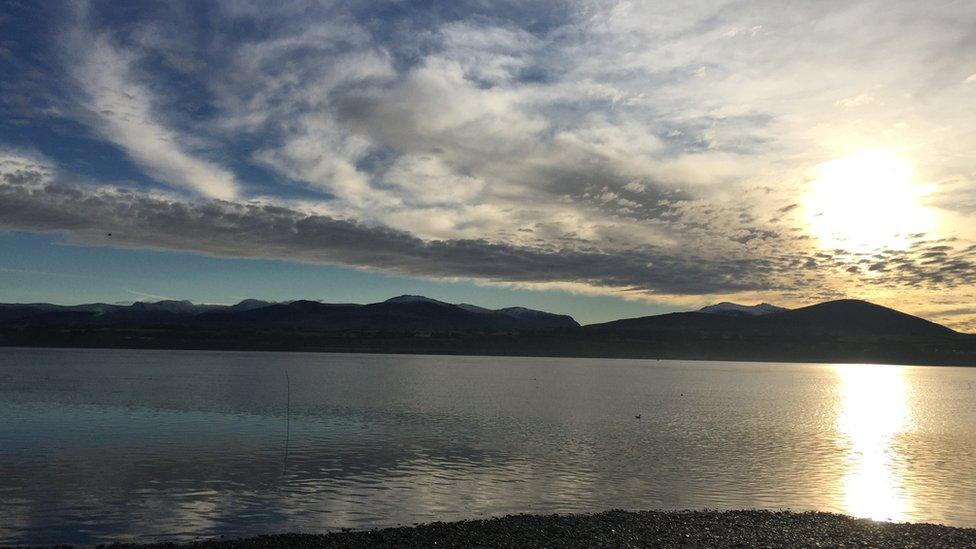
[734,309]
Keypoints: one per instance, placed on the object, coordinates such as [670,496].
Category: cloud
[140,219]
[32,199]
[856,101]
[543,109]
[122,112]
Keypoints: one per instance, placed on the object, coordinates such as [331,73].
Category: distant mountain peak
[413,299]
[163,302]
[734,309]
[521,312]
[168,305]
[249,304]
[474,308]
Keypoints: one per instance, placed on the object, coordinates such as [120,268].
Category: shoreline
[497,354]
[616,528]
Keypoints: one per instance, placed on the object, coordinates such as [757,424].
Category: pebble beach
[629,529]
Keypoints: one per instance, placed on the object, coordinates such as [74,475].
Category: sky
[596,158]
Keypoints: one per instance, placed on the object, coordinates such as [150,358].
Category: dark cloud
[962,311]
[136,218]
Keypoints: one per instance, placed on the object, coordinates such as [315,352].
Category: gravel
[631,529]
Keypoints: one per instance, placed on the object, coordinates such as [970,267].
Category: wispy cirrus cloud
[121,110]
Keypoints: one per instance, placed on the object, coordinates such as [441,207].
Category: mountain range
[405,312]
[835,331]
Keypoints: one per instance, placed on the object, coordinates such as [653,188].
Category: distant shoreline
[628,529]
[555,344]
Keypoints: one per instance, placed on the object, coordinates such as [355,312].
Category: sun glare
[873,412]
[865,202]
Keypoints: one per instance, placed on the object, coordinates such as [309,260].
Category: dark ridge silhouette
[734,309]
[837,331]
[846,317]
[853,316]
[670,322]
[400,313]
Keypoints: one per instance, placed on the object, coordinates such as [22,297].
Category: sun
[866,202]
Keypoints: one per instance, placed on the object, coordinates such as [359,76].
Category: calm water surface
[108,445]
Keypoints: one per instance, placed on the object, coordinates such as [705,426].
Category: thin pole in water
[284,464]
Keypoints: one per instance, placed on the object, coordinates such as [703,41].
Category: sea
[100,446]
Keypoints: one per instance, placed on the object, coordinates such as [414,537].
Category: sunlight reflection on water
[873,412]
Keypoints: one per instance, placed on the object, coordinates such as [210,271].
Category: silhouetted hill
[669,322]
[20,311]
[856,317]
[848,318]
[734,309]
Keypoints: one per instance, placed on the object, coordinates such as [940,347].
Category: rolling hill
[847,317]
